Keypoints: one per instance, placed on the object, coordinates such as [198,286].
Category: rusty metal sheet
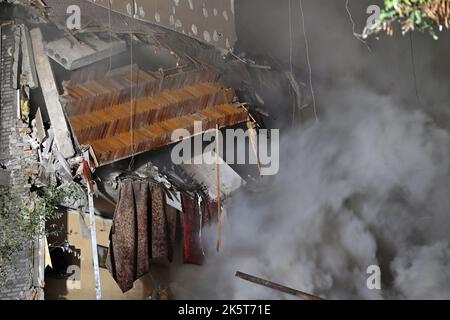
[211,21]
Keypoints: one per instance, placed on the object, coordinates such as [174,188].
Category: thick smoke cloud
[368,185]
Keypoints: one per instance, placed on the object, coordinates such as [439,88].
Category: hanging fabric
[144,228]
[163,227]
[192,247]
[128,255]
[209,216]
[172,219]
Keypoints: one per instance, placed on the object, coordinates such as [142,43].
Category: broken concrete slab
[16,55]
[41,134]
[50,92]
[205,174]
[211,21]
[90,49]
[62,166]
[47,144]
[28,64]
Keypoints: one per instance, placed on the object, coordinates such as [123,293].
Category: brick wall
[12,155]
[8,98]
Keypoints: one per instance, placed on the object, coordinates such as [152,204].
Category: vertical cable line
[311,86]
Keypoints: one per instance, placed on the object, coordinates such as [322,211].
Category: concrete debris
[16,56]
[75,162]
[211,21]
[47,144]
[62,166]
[49,90]
[89,49]
[24,166]
[73,202]
[205,173]
[173,198]
[28,64]
[41,133]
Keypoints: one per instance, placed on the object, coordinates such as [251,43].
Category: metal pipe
[276,286]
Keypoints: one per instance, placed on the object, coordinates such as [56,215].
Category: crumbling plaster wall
[83,287]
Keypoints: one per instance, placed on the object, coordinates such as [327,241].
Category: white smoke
[367,186]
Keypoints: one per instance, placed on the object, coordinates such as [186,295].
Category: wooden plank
[277,287]
[51,96]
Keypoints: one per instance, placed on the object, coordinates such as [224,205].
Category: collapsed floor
[97,111]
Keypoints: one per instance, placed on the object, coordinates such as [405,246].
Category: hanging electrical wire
[132,101]
[413,66]
[311,86]
[110,35]
[356,35]
[291,64]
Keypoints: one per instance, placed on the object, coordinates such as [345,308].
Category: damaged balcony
[102,115]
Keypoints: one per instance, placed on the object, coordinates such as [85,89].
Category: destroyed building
[124,125]
[89,112]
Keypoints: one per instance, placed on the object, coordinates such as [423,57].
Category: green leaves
[420,15]
[21,224]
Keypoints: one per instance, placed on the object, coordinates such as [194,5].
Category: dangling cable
[357,36]
[413,65]
[219,208]
[110,36]
[313,95]
[291,66]
[290,38]
[130,167]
